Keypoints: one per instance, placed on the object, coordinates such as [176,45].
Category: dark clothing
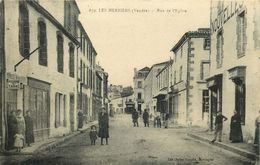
[158,122]
[135,116]
[146,119]
[103,125]
[12,130]
[219,120]
[93,136]
[235,129]
[219,127]
[29,135]
[80,120]
[257,128]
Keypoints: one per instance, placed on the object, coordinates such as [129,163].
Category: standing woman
[103,125]
[29,136]
[235,128]
[12,129]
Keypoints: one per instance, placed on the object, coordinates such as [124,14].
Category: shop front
[214,84]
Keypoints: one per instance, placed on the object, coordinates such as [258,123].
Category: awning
[161,94]
[237,72]
[214,80]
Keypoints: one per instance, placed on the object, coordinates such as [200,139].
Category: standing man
[103,125]
[146,118]
[135,116]
[29,136]
[219,126]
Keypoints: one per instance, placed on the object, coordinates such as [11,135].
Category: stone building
[190,67]
[234,70]
[150,87]
[139,77]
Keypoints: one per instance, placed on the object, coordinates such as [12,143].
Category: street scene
[137,145]
[129,82]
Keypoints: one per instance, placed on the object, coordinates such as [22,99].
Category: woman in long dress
[29,135]
[235,129]
[103,126]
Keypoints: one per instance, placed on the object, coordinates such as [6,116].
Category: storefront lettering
[225,15]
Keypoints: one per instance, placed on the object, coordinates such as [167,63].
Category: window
[206,44]
[180,72]
[81,69]
[57,109]
[60,53]
[219,49]
[205,102]
[139,84]
[139,96]
[241,34]
[64,111]
[24,30]
[42,41]
[83,73]
[204,73]
[71,60]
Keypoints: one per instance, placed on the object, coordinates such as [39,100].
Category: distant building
[150,87]
[190,68]
[138,79]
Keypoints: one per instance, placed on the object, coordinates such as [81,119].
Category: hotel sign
[228,12]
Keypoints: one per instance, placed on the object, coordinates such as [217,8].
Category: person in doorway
[93,134]
[29,135]
[257,130]
[235,128]
[158,121]
[218,126]
[135,116]
[103,122]
[12,129]
[167,118]
[80,119]
[146,118]
[20,134]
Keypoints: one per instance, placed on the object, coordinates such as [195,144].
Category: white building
[190,67]
[234,70]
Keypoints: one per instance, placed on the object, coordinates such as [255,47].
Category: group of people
[103,133]
[20,130]
[146,117]
[236,135]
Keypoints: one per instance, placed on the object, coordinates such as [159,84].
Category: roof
[145,69]
[200,33]
[161,63]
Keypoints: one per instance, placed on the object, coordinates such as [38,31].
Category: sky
[141,33]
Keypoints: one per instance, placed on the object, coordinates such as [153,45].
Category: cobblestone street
[132,145]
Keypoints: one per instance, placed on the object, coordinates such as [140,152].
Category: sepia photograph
[129,82]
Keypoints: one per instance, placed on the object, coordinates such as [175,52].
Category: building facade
[234,69]
[139,77]
[41,68]
[150,87]
[190,67]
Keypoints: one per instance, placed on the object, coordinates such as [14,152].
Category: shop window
[60,53]
[206,45]
[241,34]
[220,43]
[24,30]
[71,60]
[42,41]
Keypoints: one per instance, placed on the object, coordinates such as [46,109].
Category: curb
[233,149]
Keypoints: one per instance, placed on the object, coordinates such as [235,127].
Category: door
[240,100]
[72,122]
[214,107]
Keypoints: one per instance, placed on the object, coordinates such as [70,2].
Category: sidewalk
[243,149]
[41,146]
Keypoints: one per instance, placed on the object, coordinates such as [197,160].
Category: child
[93,134]
[18,142]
